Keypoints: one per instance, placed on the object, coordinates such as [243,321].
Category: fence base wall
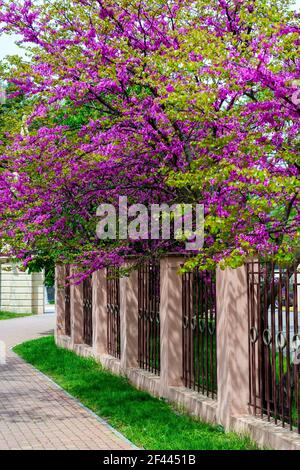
[266,434]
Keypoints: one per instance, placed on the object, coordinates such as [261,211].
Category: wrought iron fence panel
[148,316]
[88,311]
[274,341]
[199,323]
[67,302]
[113,313]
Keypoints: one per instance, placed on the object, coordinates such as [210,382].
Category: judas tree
[161,101]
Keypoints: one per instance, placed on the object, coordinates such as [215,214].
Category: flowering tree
[176,101]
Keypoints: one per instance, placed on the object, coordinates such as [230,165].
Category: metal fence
[88,311]
[113,313]
[148,317]
[274,341]
[199,323]
[67,302]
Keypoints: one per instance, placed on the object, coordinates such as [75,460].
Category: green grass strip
[9,315]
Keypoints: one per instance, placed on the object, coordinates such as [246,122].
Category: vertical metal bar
[206,333]
[119,335]
[147,318]
[153,280]
[119,330]
[268,367]
[202,335]
[193,374]
[139,315]
[91,310]
[210,388]
[155,324]
[158,313]
[280,328]
[85,312]
[183,282]
[189,330]
[215,334]
[182,326]
[288,353]
[115,316]
[260,367]
[107,309]
[196,346]
[274,382]
[143,318]
[296,333]
[152,322]
[249,328]
[144,313]
[108,286]
[113,327]
[255,321]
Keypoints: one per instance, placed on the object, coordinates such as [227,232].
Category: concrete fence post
[129,319]
[60,299]
[99,312]
[38,293]
[76,311]
[232,345]
[170,322]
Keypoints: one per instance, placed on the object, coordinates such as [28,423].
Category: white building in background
[20,292]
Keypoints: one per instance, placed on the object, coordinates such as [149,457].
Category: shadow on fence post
[60,300]
[99,312]
[170,323]
[129,319]
[232,345]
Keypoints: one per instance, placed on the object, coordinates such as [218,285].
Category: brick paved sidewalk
[36,414]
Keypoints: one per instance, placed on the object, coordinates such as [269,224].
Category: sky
[8,46]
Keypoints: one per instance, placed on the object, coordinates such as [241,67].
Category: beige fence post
[99,312]
[60,299]
[232,344]
[170,322]
[129,319]
[38,293]
[76,311]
